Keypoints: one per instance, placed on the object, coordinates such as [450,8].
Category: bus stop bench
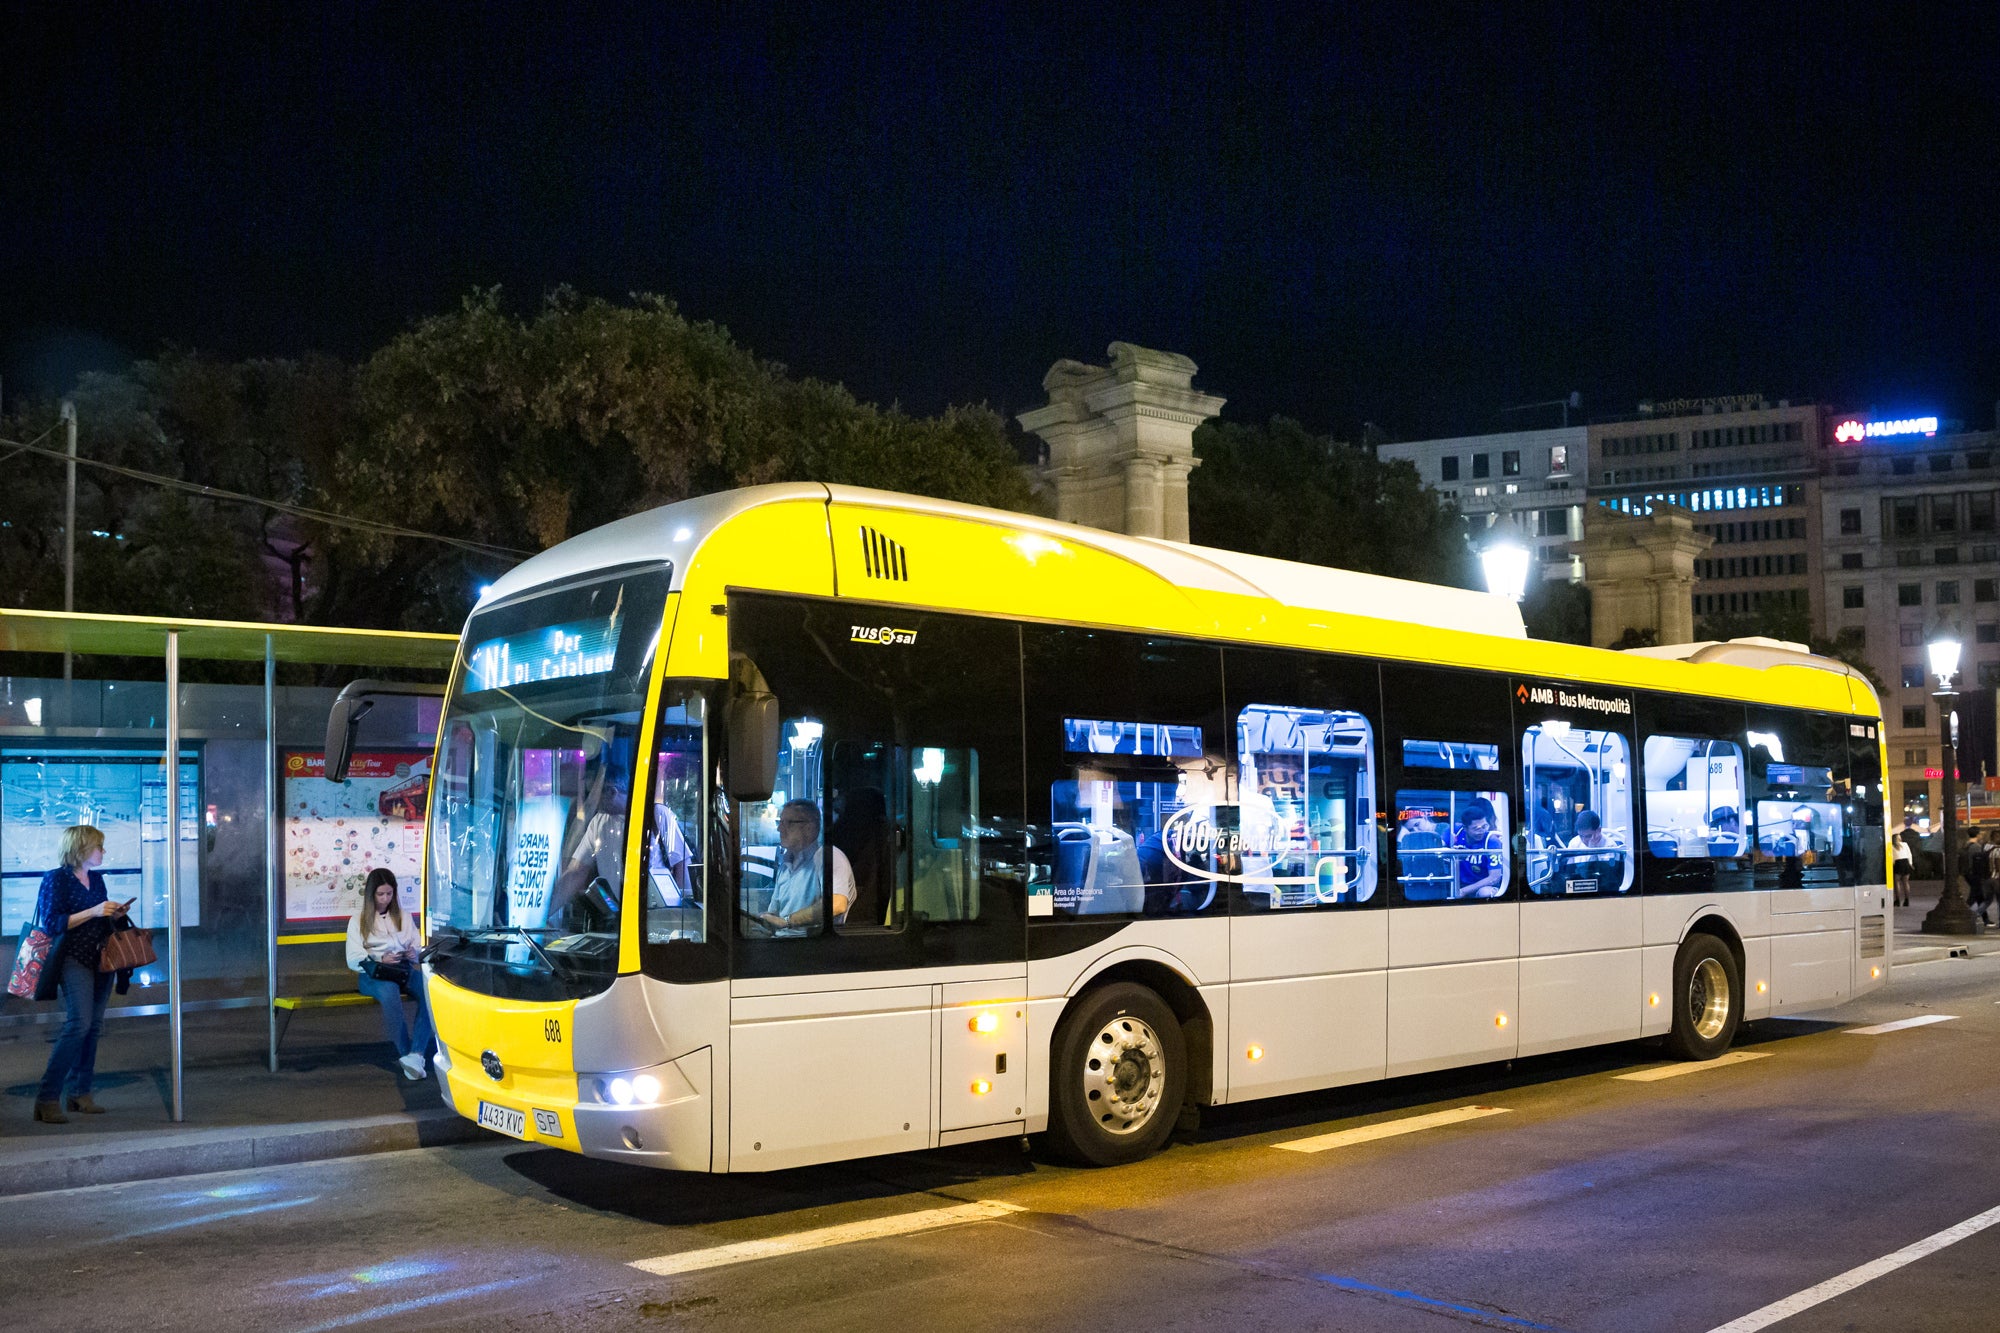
[291,1004]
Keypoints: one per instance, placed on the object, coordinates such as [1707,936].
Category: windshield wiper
[548,960]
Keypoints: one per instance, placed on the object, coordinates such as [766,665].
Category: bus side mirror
[342,725]
[753,745]
[356,701]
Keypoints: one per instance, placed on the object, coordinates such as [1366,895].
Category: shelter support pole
[271,846]
[174,862]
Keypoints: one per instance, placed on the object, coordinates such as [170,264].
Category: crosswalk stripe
[1919,1021]
[1389,1129]
[1659,1072]
[847,1233]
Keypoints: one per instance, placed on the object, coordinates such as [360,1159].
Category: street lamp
[1951,916]
[1506,566]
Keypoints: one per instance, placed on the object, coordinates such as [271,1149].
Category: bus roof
[676,532]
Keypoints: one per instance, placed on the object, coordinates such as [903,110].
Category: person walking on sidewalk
[1972,869]
[74,908]
[1902,860]
[383,947]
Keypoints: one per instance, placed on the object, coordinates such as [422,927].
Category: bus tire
[1708,999]
[1118,1076]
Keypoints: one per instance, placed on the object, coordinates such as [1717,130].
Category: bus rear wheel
[1708,999]
[1118,1076]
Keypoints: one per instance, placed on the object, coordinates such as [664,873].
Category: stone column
[1121,440]
[1640,572]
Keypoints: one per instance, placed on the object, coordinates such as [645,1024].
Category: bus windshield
[536,761]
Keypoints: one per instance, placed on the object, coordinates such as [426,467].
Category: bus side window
[1694,798]
[1450,757]
[1802,794]
[674,874]
[1128,751]
[1306,794]
[1577,786]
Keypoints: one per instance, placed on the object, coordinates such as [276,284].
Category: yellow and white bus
[804,822]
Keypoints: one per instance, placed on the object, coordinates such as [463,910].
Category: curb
[102,1161]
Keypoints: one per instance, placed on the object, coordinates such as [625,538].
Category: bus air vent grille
[884,558]
[1871,936]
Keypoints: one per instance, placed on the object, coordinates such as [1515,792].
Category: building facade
[1529,484]
[1912,524]
[1749,472]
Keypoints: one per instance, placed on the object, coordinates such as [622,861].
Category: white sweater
[385,938]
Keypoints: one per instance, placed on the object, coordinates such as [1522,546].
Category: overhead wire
[323,516]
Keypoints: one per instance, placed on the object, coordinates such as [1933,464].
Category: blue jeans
[74,1060]
[394,1026]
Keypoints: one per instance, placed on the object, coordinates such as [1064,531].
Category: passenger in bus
[384,948]
[864,834]
[797,896]
[1479,876]
[1589,830]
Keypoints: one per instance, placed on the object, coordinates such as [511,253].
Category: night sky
[1415,215]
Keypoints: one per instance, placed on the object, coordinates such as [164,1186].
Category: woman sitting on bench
[382,945]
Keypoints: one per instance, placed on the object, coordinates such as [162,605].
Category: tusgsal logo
[882,634]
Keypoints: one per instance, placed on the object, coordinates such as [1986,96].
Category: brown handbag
[129,948]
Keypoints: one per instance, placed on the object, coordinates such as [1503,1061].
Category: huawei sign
[1851,431]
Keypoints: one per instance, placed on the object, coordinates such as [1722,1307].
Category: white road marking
[1919,1021]
[1854,1277]
[1389,1129]
[1659,1072]
[902,1224]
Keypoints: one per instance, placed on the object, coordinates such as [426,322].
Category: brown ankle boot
[85,1104]
[50,1113]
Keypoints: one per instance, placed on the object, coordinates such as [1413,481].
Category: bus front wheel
[1708,999]
[1118,1076]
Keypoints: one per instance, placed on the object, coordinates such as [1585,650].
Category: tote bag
[29,961]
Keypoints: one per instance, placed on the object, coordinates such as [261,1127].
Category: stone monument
[1121,440]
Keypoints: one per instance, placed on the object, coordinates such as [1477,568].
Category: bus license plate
[504,1118]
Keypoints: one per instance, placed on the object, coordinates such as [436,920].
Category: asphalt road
[1589,1201]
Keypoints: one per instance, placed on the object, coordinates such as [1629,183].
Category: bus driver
[795,892]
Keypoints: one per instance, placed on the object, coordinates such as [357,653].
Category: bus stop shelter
[258,850]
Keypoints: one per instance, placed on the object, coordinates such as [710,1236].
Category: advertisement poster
[335,833]
[122,793]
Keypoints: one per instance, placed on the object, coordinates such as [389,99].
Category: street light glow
[1944,652]
[1506,567]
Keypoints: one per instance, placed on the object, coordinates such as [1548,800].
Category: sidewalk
[1913,946]
[337,1092]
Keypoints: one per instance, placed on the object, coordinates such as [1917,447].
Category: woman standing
[383,947]
[74,908]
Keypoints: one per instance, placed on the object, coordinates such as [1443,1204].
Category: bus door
[1454,922]
[880,901]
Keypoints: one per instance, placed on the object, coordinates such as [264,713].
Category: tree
[1279,490]
[522,432]
[1557,610]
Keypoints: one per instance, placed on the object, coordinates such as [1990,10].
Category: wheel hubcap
[1708,999]
[1124,1073]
